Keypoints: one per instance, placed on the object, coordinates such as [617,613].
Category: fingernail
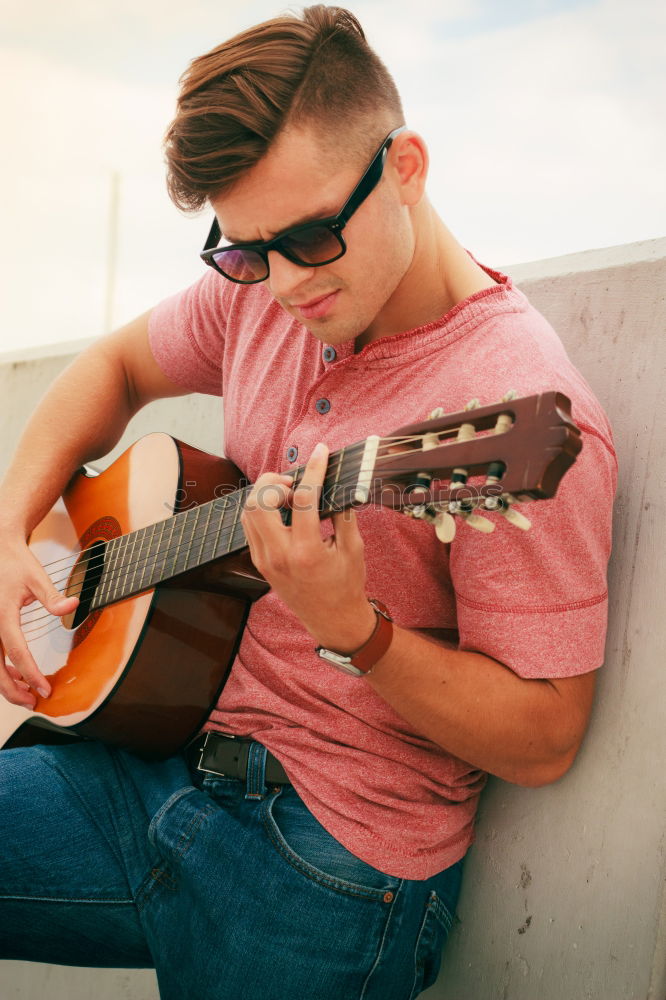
[319,450]
[44,691]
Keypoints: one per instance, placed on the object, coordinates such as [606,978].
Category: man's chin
[332,332]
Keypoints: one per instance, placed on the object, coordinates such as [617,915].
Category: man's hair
[316,71]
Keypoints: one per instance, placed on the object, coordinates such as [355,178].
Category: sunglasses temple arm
[213,236]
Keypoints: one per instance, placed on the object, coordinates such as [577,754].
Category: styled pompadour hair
[316,70]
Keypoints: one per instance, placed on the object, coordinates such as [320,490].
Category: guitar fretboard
[144,558]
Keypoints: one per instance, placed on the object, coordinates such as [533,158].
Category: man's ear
[410,162]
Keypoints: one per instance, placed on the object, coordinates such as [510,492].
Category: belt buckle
[207,770]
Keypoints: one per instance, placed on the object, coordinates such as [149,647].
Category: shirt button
[322,406]
[329,354]
[292,453]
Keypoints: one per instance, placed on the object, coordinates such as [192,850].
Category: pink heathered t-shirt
[535,601]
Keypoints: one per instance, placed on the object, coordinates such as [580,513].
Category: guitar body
[142,672]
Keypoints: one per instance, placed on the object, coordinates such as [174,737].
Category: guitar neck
[151,555]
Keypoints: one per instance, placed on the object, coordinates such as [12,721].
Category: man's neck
[442,274]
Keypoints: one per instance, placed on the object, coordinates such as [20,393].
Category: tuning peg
[473,404]
[445,527]
[515,518]
[436,413]
[511,394]
[479,523]
[503,423]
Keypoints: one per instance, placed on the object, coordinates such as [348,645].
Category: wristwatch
[362,660]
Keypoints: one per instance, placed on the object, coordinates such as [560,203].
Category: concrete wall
[564,893]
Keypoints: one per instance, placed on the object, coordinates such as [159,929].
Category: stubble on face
[367,279]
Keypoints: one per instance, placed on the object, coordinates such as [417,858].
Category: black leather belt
[217,753]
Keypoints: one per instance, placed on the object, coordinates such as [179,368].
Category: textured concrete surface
[564,895]
[564,891]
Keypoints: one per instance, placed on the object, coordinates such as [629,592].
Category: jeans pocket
[435,927]
[308,847]
[175,826]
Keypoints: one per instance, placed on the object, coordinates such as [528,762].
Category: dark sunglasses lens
[313,245]
[242,265]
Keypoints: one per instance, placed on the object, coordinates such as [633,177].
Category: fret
[185,541]
[131,561]
[121,567]
[170,549]
[222,512]
[144,566]
[231,545]
[98,599]
[188,558]
[114,575]
[329,495]
[182,518]
[99,596]
[137,559]
[107,577]
[204,534]
[159,555]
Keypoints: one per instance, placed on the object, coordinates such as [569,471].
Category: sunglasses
[310,245]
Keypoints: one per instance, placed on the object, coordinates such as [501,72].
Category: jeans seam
[187,836]
[312,873]
[440,913]
[382,942]
[66,899]
[195,821]
[173,798]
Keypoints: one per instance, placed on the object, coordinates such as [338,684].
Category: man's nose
[285,277]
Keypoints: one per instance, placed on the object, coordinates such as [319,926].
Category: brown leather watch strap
[371,651]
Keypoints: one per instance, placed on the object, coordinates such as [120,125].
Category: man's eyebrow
[303,221]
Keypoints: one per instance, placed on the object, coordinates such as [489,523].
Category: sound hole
[84,581]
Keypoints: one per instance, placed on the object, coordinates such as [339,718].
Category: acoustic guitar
[154,549]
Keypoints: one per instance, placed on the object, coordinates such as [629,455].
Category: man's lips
[317,307]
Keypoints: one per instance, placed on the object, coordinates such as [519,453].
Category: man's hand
[322,580]
[22,581]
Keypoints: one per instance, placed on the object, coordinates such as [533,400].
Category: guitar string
[332,468]
[161,555]
[46,627]
[158,556]
[34,625]
[330,471]
[183,514]
[122,572]
[395,441]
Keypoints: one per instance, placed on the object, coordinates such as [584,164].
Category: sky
[544,120]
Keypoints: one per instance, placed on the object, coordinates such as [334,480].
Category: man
[329,866]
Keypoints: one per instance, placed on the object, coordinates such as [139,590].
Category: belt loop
[255,787]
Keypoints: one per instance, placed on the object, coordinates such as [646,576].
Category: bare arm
[525,731]
[81,417]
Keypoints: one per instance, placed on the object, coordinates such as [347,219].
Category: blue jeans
[230,890]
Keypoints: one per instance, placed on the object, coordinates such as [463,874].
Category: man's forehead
[296,182]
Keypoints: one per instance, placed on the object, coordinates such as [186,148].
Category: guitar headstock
[483,458]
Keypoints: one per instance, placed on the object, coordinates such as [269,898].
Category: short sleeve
[537,601]
[186,335]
